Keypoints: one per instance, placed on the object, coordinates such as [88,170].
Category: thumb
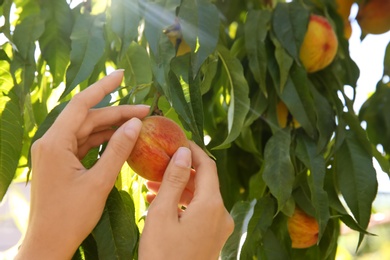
[117,151]
[175,179]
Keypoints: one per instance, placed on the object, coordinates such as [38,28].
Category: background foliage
[244,59]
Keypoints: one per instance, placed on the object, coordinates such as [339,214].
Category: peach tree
[219,68]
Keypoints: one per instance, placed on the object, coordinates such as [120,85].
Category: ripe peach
[319,45]
[158,140]
[344,8]
[347,29]
[284,116]
[374,16]
[303,229]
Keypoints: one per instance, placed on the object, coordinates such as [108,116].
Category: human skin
[198,232]
[67,200]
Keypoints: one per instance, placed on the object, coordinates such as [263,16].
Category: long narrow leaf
[116,234]
[278,169]
[239,91]
[356,178]
[256,31]
[124,21]
[258,225]
[55,42]
[11,137]
[241,213]
[307,153]
[138,69]
[289,23]
[200,28]
[87,48]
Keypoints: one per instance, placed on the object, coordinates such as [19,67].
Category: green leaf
[227,174]
[209,70]
[199,21]
[158,15]
[289,23]
[136,62]
[284,60]
[6,12]
[386,61]
[383,162]
[329,243]
[325,118]
[87,250]
[258,106]
[306,151]
[239,91]
[258,225]
[161,63]
[256,31]
[191,89]
[355,126]
[278,169]
[299,101]
[124,21]
[339,210]
[116,233]
[241,213]
[54,43]
[183,107]
[356,178]
[196,103]
[25,35]
[375,113]
[11,138]
[90,158]
[273,246]
[87,48]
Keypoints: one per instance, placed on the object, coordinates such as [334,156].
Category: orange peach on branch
[374,16]
[303,229]
[284,116]
[319,46]
[344,8]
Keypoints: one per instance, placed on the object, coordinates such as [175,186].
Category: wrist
[38,248]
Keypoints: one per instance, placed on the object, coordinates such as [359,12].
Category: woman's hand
[67,200]
[198,232]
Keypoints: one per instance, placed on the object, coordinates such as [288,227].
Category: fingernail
[121,70]
[142,105]
[182,157]
[131,125]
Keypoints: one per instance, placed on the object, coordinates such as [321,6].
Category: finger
[150,197]
[117,151]
[94,140]
[206,178]
[173,184]
[103,118]
[77,109]
[154,187]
